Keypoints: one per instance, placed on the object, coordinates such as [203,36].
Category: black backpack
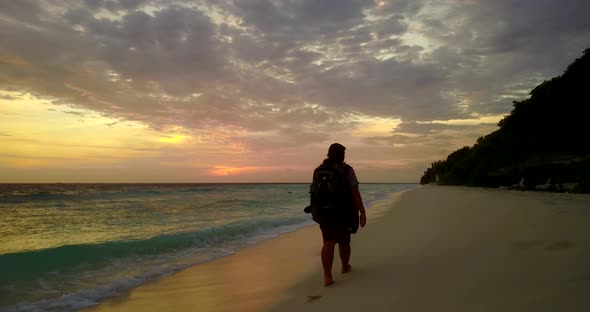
[330,194]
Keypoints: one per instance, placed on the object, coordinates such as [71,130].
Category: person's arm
[358,202]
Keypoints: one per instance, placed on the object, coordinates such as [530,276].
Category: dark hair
[335,153]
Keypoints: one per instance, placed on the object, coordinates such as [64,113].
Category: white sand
[437,249]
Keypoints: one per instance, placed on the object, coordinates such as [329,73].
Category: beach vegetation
[544,137]
[583,172]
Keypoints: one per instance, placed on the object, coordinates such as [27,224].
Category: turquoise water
[66,246]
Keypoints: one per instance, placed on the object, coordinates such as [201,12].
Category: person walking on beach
[335,204]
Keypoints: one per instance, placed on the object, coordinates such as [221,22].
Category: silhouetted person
[335,204]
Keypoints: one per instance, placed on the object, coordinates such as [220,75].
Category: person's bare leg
[327,259]
[345,257]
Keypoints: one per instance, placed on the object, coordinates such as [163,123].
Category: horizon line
[192,183]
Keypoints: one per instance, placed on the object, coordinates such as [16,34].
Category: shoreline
[291,256]
[427,249]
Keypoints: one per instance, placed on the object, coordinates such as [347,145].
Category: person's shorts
[338,234]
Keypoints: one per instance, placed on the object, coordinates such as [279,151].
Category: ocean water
[64,247]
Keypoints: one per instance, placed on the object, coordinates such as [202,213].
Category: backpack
[330,193]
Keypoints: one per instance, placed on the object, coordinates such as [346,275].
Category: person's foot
[328,280]
[346,268]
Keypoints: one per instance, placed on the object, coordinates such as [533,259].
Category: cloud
[301,19]
[412,138]
[7,97]
[273,74]
[79,114]
[433,127]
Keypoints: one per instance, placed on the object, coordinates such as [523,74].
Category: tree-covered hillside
[545,137]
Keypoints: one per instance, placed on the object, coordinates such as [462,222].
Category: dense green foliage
[545,136]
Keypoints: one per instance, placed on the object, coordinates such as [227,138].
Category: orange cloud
[225,171]
[220,171]
[11,59]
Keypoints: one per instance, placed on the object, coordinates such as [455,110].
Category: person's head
[336,153]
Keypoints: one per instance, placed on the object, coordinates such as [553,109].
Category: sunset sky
[256,90]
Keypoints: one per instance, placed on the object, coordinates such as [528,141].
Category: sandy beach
[434,248]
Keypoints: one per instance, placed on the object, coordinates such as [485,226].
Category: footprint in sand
[313,298]
[524,244]
[560,245]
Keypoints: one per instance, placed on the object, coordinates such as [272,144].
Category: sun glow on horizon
[224,171]
[35,133]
